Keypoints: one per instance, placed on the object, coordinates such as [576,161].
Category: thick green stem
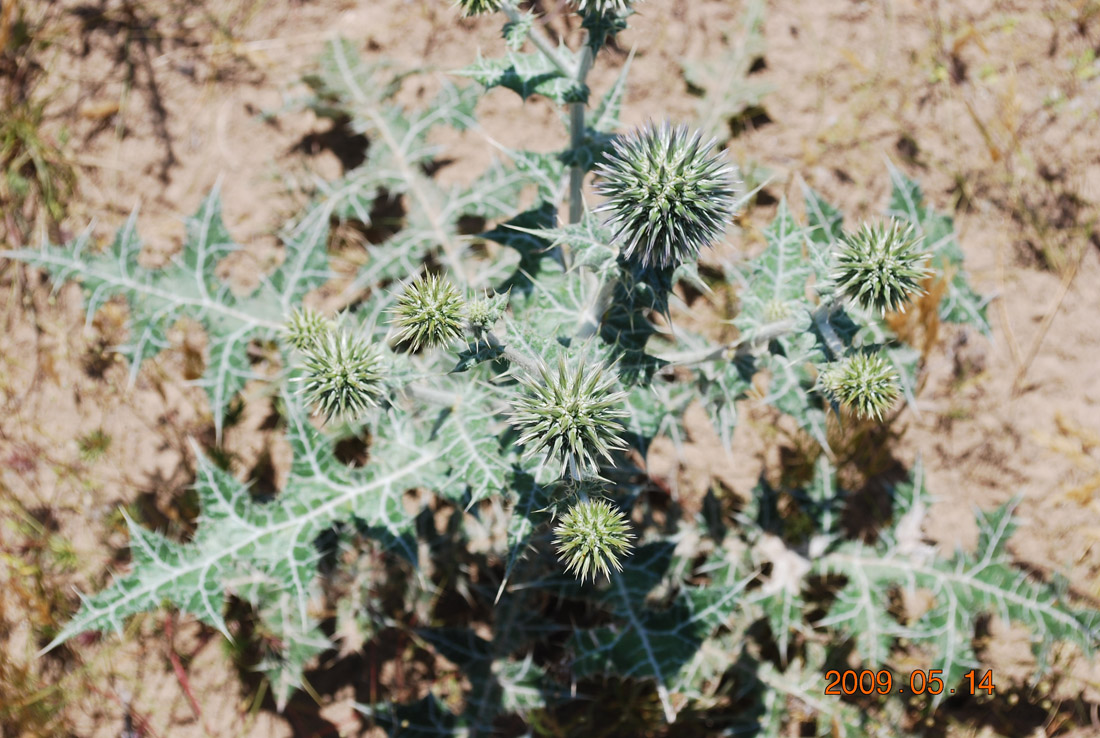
[576,112]
[576,133]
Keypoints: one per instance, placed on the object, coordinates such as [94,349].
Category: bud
[483,312]
[305,328]
[591,538]
[477,7]
[879,267]
[342,376]
[865,383]
[667,195]
[430,313]
[571,415]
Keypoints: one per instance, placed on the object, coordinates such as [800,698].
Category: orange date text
[920,681]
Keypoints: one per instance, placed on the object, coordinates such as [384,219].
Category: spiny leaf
[158,298]
[259,550]
[963,587]
[481,462]
[726,88]
[775,281]
[650,643]
[529,74]
[961,304]
[399,151]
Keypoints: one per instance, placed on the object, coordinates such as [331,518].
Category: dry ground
[993,106]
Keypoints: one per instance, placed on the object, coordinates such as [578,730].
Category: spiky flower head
[430,313]
[603,7]
[668,196]
[305,327]
[571,415]
[880,266]
[477,7]
[342,375]
[865,383]
[591,539]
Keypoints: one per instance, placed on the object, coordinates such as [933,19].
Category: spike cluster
[483,313]
[305,328]
[478,7]
[865,383]
[591,539]
[342,376]
[571,415]
[603,7]
[667,196]
[431,312]
[880,267]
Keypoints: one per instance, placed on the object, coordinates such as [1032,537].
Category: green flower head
[591,539]
[865,383]
[305,328]
[880,267]
[667,195]
[571,415]
[477,7]
[431,312]
[341,376]
[602,7]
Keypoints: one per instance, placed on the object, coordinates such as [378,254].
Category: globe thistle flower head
[571,415]
[667,195]
[603,7]
[591,539]
[880,266]
[429,313]
[305,328]
[342,376]
[865,383]
[477,7]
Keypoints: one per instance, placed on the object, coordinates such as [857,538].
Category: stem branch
[746,346]
[513,356]
[540,40]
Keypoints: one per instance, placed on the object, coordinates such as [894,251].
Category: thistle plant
[571,415]
[305,328]
[865,383]
[539,376]
[880,266]
[478,7]
[429,313]
[603,7]
[667,196]
[592,538]
[482,314]
[341,375]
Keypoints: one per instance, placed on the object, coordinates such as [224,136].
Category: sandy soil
[993,106]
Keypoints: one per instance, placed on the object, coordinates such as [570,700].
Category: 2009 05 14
[850,681]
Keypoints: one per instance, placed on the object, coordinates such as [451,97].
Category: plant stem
[432,395]
[541,42]
[593,317]
[833,345]
[576,134]
[513,356]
